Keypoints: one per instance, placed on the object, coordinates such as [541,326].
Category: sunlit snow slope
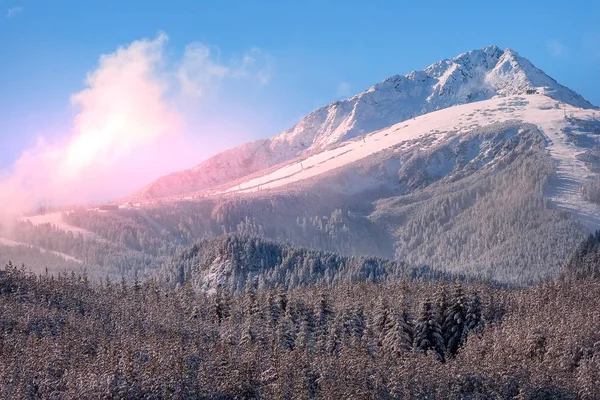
[12,243]
[467,78]
[552,117]
[55,219]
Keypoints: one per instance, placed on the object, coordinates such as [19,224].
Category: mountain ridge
[469,77]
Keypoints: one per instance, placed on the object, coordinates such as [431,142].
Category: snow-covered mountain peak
[472,76]
[476,75]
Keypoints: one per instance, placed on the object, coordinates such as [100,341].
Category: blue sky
[311,53]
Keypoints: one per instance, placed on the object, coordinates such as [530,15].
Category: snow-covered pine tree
[282,299]
[275,311]
[335,337]
[286,332]
[399,338]
[221,306]
[324,313]
[305,339]
[454,326]
[474,319]
[383,320]
[428,333]
[250,305]
[370,338]
[442,305]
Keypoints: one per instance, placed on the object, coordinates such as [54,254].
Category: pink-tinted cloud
[123,110]
[127,131]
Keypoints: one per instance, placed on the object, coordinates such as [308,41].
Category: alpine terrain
[470,77]
[480,165]
[436,236]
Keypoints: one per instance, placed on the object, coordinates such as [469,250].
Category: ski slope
[12,243]
[56,220]
[9,243]
[548,114]
[565,188]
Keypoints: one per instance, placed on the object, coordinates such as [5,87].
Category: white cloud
[13,12]
[122,115]
[201,69]
[343,89]
[556,48]
[130,127]
[123,106]
[255,64]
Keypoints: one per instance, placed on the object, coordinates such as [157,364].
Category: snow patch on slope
[11,243]
[56,220]
[433,128]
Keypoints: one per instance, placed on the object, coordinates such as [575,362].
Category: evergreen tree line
[585,260]
[98,258]
[231,261]
[591,190]
[62,337]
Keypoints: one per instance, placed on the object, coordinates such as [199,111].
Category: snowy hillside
[470,77]
[552,118]
[55,219]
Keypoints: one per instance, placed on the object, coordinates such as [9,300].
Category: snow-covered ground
[9,243]
[548,114]
[470,77]
[57,220]
[571,173]
[12,243]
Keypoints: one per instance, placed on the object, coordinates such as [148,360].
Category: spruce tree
[250,304]
[399,338]
[370,338]
[383,320]
[335,337]
[442,305]
[474,319]
[324,313]
[221,306]
[282,299]
[275,311]
[428,333]
[455,327]
[286,333]
[305,338]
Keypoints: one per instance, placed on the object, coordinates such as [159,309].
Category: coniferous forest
[408,337]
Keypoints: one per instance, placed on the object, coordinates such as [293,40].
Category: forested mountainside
[39,259]
[403,339]
[477,203]
[127,245]
[585,261]
[232,262]
[479,165]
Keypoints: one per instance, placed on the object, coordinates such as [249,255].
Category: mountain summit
[469,77]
